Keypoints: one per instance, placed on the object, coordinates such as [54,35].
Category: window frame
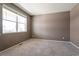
[3,25]
[14,21]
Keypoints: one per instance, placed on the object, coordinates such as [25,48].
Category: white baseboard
[74,45]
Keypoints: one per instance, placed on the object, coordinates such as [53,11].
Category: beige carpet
[41,47]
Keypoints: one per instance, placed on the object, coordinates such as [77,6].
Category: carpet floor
[41,47]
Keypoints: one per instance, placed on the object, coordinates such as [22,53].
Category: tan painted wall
[8,40]
[52,26]
[74,25]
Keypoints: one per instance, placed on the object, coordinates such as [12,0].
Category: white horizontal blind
[13,22]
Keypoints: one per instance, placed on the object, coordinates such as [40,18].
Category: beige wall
[74,25]
[51,26]
[8,40]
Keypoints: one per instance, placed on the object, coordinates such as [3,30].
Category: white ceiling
[45,8]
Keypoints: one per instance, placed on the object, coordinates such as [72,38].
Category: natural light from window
[13,22]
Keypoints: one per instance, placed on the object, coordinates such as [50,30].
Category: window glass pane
[8,26]
[11,16]
[9,22]
[21,19]
[4,13]
[21,27]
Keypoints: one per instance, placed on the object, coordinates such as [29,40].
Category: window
[9,26]
[21,23]
[13,22]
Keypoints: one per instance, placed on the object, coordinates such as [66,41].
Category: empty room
[39,29]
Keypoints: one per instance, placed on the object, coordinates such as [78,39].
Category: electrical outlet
[62,37]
